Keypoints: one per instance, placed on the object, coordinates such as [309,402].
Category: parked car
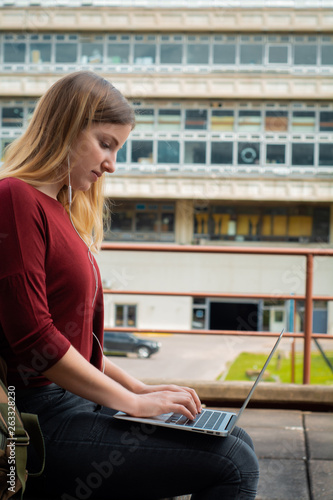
[123,342]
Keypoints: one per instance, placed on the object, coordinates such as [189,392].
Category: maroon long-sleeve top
[47,286]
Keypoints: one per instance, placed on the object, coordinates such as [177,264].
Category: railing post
[308,314]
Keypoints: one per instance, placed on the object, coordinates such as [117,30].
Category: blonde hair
[72,104]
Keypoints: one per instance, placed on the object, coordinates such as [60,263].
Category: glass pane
[222,120]
[118,53]
[305,54]
[195,152]
[327,55]
[275,153]
[168,152]
[146,222]
[92,53]
[131,315]
[14,52]
[326,154]
[196,119]
[169,119]
[122,220]
[278,54]
[167,223]
[4,144]
[248,153]
[251,54]
[12,117]
[142,152]
[171,53]
[224,54]
[303,121]
[40,53]
[249,121]
[197,53]
[144,53]
[326,121]
[276,121]
[119,315]
[221,153]
[121,155]
[198,318]
[302,154]
[66,52]
[144,119]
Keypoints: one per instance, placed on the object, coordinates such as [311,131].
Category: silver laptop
[217,422]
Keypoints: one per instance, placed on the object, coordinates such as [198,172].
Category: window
[14,52]
[122,154]
[169,119]
[305,54]
[248,153]
[224,53]
[326,155]
[327,55]
[171,53]
[249,121]
[168,152]
[276,121]
[257,222]
[4,143]
[303,121]
[278,54]
[251,53]
[92,53]
[195,152]
[147,221]
[12,117]
[275,153]
[122,218]
[66,53]
[144,119]
[222,120]
[125,315]
[197,53]
[221,153]
[40,53]
[326,121]
[142,152]
[142,221]
[302,154]
[144,53]
[196,119]
[118,53]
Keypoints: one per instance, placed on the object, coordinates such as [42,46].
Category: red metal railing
[309,253]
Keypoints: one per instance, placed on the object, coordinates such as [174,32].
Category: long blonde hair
[72,104]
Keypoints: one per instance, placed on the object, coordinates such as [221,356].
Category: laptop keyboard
[207,419]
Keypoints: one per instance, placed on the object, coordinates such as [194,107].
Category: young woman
[51,321]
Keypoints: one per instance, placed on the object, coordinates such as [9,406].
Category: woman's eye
[105,145]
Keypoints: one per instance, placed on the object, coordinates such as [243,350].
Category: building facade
[233,144]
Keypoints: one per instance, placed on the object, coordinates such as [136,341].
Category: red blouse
[47,286]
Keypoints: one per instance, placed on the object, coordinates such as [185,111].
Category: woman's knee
[243,435]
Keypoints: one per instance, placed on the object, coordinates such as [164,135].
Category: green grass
[279,368]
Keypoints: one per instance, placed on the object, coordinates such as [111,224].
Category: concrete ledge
[266,395]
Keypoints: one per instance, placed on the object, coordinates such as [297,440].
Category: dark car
[123,342]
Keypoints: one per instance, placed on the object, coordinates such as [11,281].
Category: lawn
[247,365]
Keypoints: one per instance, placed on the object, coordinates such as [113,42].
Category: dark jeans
[90,455]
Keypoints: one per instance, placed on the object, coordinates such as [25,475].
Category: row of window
[175,135]
[156,222]
[151,50]
[147,153]
[217,117]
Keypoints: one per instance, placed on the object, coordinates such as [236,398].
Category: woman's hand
[157,399]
